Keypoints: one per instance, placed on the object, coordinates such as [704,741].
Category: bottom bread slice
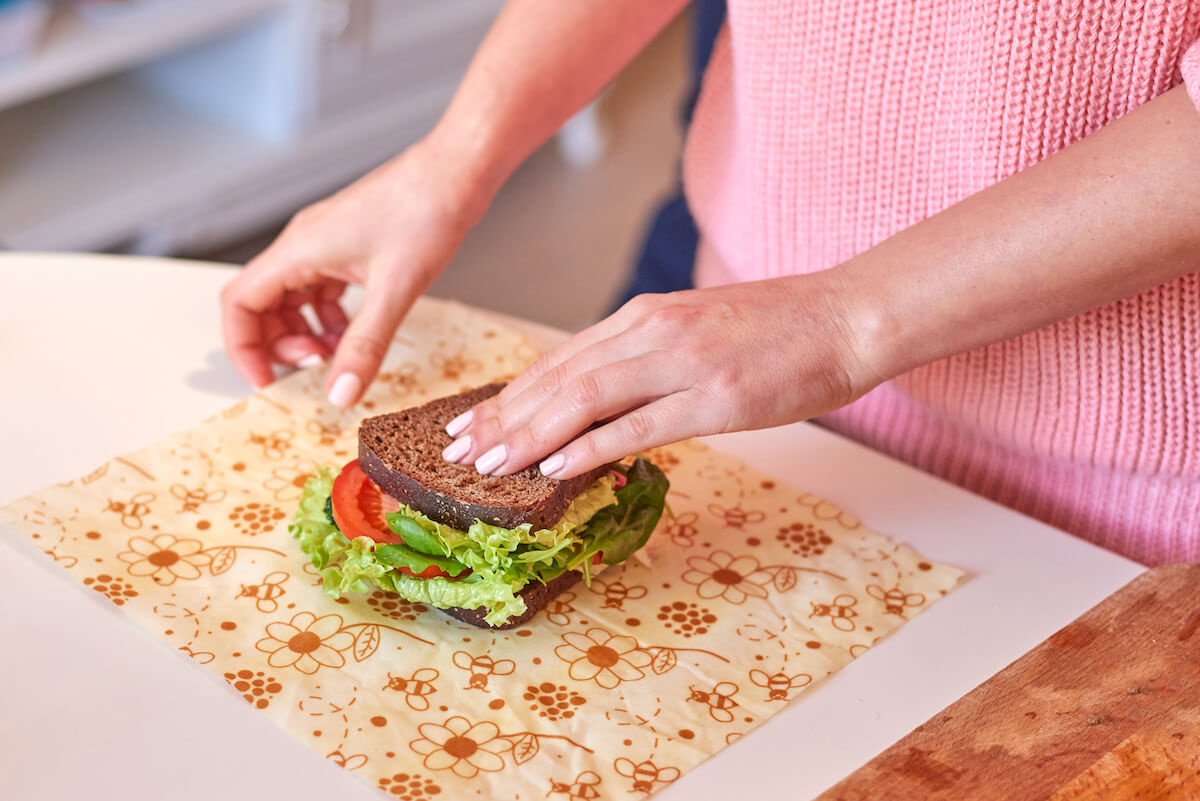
[536,596]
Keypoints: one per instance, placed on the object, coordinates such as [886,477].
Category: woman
[963,233]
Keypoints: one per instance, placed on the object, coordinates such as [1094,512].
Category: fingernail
[345,389]
[311,360]
[457,449]
[552,465]
[492,459]
[455,426]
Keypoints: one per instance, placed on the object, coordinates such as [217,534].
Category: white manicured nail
[492,459]
[457,449]
[345,389]
[552,465]
[311,360]
[455,426]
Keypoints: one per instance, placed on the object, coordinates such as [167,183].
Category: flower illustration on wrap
[720,575]
[165,558]
[606,658]
[461,747]
[402,380]
[287,481]
[306,643]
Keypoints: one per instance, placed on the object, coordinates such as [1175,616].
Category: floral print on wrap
[749,593]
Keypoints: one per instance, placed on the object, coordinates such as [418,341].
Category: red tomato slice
[359,506]
[359,509]
[621,478]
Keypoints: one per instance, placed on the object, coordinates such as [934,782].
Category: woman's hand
[667,367]
[392,231]
[395,230]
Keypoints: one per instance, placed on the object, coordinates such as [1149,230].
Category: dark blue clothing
[669,252]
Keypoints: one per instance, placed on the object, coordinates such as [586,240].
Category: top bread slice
[402,453]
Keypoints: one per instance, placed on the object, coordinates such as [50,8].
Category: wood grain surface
[1108,707]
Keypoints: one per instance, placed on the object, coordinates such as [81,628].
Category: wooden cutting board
[1106,708]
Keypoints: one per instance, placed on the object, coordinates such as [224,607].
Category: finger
[242,332]
[296,351]
[550,365]
[283,346]
[607,328]
[581,383]
[300,345]
[660,422]
[365,344]
[326,303]
[290,305]
[607,392]
[273,328]
[255,290]
[501,418]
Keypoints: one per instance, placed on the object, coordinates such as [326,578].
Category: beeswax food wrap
[748,593]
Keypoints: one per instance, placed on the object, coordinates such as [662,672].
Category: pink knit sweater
[826,126]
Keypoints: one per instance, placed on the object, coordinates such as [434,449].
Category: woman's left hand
[667,367]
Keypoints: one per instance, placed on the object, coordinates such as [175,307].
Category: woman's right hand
[392,231]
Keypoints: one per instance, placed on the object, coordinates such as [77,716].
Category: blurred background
[197,127]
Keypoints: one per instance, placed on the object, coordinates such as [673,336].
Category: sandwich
[490,551]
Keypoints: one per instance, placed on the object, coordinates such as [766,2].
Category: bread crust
[536,597]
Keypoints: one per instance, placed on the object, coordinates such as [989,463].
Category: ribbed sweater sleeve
[1189,68]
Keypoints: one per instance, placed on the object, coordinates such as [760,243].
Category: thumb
[364,345]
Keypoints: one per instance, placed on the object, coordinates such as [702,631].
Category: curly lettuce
[611,522]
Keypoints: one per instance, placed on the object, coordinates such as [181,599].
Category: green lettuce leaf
[394,555]
[502,560]
[415,535]
[623,528]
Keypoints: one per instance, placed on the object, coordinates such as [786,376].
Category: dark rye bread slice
[402,453]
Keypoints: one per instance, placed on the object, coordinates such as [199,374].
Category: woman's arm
[395,229]
[542,61]
[1109,216]
[1114,214]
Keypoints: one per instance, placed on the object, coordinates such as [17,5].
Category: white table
[102,355]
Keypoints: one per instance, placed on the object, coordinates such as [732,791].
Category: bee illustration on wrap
[559,610]
[584,787]
[133,510]
[645,774]
[275,444]
[326,434]
[193,498]
[266,593]
[682,530]
[779,685]
[352,762]
[616,593]
[719,699]
[736,516]
[482,666]
[415,688]
[839,611]
[895,600]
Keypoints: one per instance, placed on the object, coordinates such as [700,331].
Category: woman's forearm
[1107,217]
[541,62]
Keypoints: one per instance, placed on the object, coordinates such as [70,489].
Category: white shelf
[76,49]
[76,176]
[180,123]
[63,158]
